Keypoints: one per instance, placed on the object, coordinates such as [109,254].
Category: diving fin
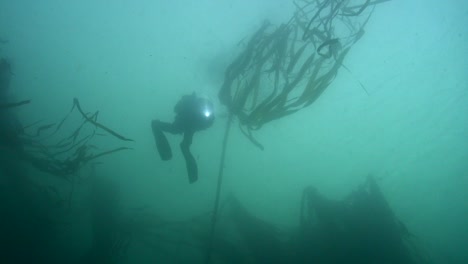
[162,144]
[190,163]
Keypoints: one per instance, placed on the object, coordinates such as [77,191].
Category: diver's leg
[162,144]
[190,163]
[173,128]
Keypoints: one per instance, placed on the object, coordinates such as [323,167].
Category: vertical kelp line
[214,217]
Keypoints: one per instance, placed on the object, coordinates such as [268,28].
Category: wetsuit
[192,114]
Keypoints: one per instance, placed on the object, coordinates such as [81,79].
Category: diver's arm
[190,163]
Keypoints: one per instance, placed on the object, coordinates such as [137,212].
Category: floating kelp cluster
[285,68]
[68,154]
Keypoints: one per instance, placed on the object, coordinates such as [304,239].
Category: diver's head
[5,74]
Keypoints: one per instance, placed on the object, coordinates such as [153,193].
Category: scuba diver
[192,114]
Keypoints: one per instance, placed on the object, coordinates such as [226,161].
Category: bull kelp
[285,68]
[69,154]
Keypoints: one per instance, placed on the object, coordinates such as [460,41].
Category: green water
[132,61]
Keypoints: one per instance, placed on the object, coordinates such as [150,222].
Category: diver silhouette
[193,114]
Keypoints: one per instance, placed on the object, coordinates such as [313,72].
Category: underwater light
[206,112]
[206,108]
